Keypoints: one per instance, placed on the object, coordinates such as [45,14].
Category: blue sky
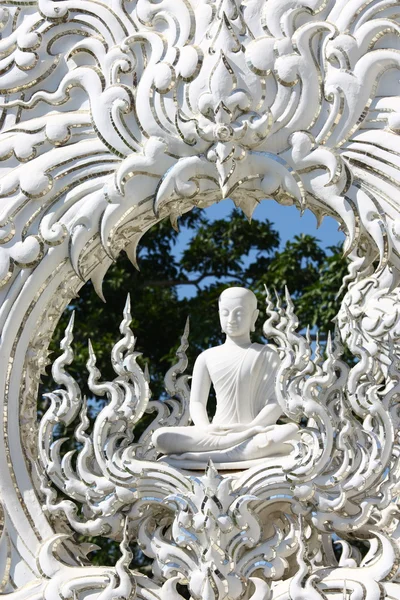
[287,222]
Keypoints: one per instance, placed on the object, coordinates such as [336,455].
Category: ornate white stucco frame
[118,113]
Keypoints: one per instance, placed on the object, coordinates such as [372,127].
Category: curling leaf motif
[186,103]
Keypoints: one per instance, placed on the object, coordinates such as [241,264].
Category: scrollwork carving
[113,115]
[260,534]
[228,99]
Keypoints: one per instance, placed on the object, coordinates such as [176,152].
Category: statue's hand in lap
[243,374]
[231,427]
[216,429]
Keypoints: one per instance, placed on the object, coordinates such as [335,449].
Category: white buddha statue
[244,428]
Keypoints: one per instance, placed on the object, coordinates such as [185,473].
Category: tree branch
[165,283]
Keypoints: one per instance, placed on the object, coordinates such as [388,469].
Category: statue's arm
[271,412]
[267,416]
[199,392]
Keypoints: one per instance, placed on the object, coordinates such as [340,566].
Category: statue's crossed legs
[225,444]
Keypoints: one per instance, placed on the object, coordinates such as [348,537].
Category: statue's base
[282,461]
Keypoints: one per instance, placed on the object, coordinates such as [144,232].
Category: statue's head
[237,311]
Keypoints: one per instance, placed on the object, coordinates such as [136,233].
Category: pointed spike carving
[125,346]
[329,349]
[147,372]
[186,331]
[131,250]
[124,327]
[288,297]
[97,277]
[268,298]
[69,333]
[170,379]
[174,221]
[318,354]
[58,371]
[92,355]
[127,308]
[94,373]
[290,306]
[126,554]
[248,206]
[278,300]
[83,424]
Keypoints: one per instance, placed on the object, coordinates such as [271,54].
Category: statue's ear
[254,319]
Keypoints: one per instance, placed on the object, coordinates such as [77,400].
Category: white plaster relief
[117,114]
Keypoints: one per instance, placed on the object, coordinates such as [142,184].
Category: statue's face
[237,316]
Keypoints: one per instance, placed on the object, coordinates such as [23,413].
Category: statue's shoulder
[206,355]
[266,353]
[265,349]
[211,351]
